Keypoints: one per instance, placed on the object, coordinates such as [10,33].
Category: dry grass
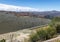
[58,40]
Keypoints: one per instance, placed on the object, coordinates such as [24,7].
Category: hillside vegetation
[47,32]
[10,22]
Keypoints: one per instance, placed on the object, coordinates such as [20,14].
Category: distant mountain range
[48,14]
[44,14]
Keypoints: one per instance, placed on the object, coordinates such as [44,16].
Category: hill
[11,21]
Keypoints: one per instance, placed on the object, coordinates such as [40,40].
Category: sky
[39,5]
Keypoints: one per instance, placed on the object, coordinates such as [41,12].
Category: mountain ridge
[43,14]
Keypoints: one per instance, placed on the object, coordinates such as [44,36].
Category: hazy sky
[44,5]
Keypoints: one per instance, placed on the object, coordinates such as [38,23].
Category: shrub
[46,33]
[50,32]
[43,34]
[56,23]
[34,37]
[3,40]
[58,28]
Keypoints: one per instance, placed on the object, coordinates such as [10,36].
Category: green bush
[58,28]
[34,37]
[43,34]
[46,33]
[3,40]
[50,32]
[56,23]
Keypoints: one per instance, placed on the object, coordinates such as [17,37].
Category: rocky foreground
[18,36]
